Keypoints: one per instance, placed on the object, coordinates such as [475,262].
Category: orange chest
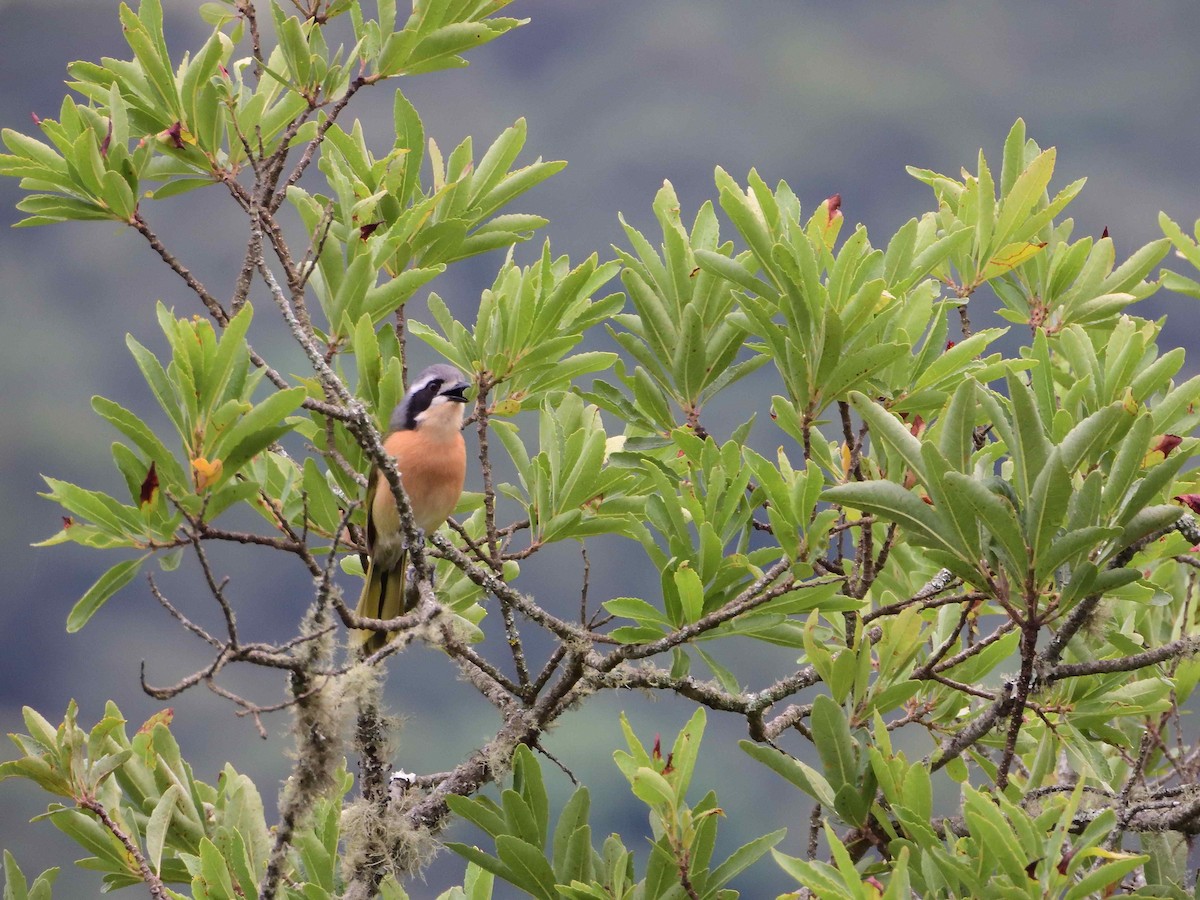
[432,470]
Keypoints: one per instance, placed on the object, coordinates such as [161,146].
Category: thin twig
[157,889]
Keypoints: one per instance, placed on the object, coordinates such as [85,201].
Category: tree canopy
[976,542]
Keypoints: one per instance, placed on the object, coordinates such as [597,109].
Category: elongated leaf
[159,822]
[120,521]
[260,427]
[831,735]
[1047,505]
[1125,465]
[528,868]
[802,776]
[527,780]
[957,358]
[1091,436]
[1031,447]
[742,858]
[478,813]
[997,516]
[1149,520]
[1026,191]
[105,586]
[735,272]
[889,431]
[1094,882]
[571,821]
[955,436]
[856,367]
[1070,545]
[145,440]
[894,503]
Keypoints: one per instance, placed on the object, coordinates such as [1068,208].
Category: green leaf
[1031,447]
[1047,504]
[1130,454]
[483,860]
[733,271]
[158,824]
[686,750]
[891,433]
[853,369]
[143,438]
[1094,882]
[831,735]
[518,817]
[653,789]
[629,634]
[527,866]
[742,858]
[1027,190]
[804,777]
[1091,437]
[573,820]
[527,781]
[691,593]
[214,872]
[822,879]
[1147,521]
[15,885]
[892,502]
[321,503]
[997,516]
[955,437]
[118,520]
[637,609]
[951,363]
[105,586]
[257,429]
[1072,544]
[724,677]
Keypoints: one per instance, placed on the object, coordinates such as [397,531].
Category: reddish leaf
[835,205]
[149,486]
[1065,862]
[174,135]
[162,717]
[1191,501]
[1167,443]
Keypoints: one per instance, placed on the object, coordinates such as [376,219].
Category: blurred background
[829,97]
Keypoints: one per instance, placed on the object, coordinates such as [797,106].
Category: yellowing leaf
[614,444]
[1131,405]
[205,473]
[1008,258]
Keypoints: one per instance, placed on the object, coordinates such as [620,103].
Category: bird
[425,438]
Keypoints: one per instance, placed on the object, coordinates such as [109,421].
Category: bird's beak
[457,392]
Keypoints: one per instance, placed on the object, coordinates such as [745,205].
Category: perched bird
[425,438]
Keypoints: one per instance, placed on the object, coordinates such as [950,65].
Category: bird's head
[436,397]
